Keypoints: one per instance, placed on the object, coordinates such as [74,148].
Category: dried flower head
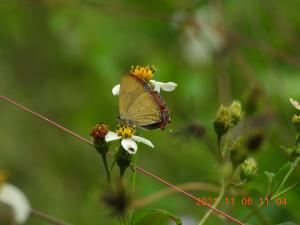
[192,129]
[117,199]
[248,169]
[254,140]
[99,131]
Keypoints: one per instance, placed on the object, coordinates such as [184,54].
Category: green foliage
[139,217]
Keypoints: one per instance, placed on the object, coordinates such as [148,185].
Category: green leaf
[287,223]
[270,177]
[279,176]
[139,216]
[276,181]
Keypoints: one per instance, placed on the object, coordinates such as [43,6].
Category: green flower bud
[296,121]
[222,121]
[123,159]
[248,169]
[237,152]
[236,113]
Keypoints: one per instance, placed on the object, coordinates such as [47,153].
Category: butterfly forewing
[135,102]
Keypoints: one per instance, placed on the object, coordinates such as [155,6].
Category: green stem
[297,140]
[217,202]
[276,195]
[253,212]
[133,176]
[219,148]
[106,167]
[288,174]
[122,172]
[46,217]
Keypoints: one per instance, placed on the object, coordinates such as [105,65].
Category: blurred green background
[62,57]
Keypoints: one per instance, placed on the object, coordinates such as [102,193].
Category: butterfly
[141,106]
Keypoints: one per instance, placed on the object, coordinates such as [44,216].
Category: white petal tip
[295,103]
[116,90]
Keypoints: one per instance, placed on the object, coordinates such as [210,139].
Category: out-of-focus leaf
[287,223]
[276,179]
[139,216]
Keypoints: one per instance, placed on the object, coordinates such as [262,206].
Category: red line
[141,170]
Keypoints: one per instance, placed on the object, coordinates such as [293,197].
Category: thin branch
[141,170]
[38,214]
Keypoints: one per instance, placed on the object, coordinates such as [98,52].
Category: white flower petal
[112,136]
[14,197]
[169,86]
[156,85]
[129,145]
[143,140]
[295,103]
[116,89]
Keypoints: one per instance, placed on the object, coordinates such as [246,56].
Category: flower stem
[106,167]
[297,139]
[48,218]
[217,202]
[133,176]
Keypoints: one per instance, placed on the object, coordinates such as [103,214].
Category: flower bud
[123,159]
[98,134]
[248,169]
[237,152]
[222,121]
[236,113]
[296,122]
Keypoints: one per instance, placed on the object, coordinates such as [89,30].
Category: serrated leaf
[139,216]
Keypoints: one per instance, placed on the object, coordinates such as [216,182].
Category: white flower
[15,198]
[295,103]
[157,86]
[129,144]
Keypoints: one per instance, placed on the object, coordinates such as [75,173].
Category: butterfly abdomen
[164,112]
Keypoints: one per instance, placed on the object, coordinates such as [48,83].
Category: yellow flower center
[3,177]
[145,73]
[125,131]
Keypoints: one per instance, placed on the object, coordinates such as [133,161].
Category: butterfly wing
[136,103]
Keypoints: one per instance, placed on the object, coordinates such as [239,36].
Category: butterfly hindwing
[136,103]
